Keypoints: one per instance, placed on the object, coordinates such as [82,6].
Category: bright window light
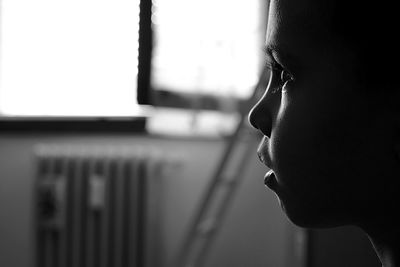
[210,47]
[68,58]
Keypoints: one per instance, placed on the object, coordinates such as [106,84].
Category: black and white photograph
[199,133]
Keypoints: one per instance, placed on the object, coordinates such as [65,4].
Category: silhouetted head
[331,112]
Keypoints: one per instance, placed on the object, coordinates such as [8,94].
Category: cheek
[320,154]
[312,133]
[309,139]
[305,165]
[297,146]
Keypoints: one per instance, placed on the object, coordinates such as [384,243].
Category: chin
[313,217]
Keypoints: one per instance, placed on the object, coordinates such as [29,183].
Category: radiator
[98,207]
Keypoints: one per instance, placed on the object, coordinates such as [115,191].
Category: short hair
[370,30]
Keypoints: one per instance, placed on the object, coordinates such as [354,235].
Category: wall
[255,231]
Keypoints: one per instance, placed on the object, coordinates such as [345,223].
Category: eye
[285,77]
[279,77]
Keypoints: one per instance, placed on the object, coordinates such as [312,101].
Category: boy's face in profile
[324,140]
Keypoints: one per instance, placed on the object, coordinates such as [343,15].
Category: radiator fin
[98,207]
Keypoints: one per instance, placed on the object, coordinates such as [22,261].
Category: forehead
[304,15]
[300,23]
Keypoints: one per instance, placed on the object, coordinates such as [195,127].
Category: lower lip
[269,179]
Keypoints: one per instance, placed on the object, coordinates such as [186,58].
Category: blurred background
[124,140]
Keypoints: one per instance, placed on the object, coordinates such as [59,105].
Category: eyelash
[284,76]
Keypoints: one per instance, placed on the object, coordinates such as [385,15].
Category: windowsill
[186,123]
[155,121]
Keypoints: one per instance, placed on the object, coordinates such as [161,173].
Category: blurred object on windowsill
[165,98]
[176,122]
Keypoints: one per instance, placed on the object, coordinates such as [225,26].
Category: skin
[332,144]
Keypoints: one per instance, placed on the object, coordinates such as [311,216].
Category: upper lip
[262,153]
[264,159]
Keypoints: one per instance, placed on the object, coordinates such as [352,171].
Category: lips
[263,155]
[269,179]
[263,152]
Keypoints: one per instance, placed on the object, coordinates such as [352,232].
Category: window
[68,58]
[208,47]
[80,57]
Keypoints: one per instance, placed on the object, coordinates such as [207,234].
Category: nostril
[260,121]
[266,130]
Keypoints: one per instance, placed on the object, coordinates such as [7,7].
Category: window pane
[208,46]
[75,57]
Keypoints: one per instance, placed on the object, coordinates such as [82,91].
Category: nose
[262,114]
[260,117]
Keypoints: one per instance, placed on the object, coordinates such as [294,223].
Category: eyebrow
[276,55]
[269,51]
